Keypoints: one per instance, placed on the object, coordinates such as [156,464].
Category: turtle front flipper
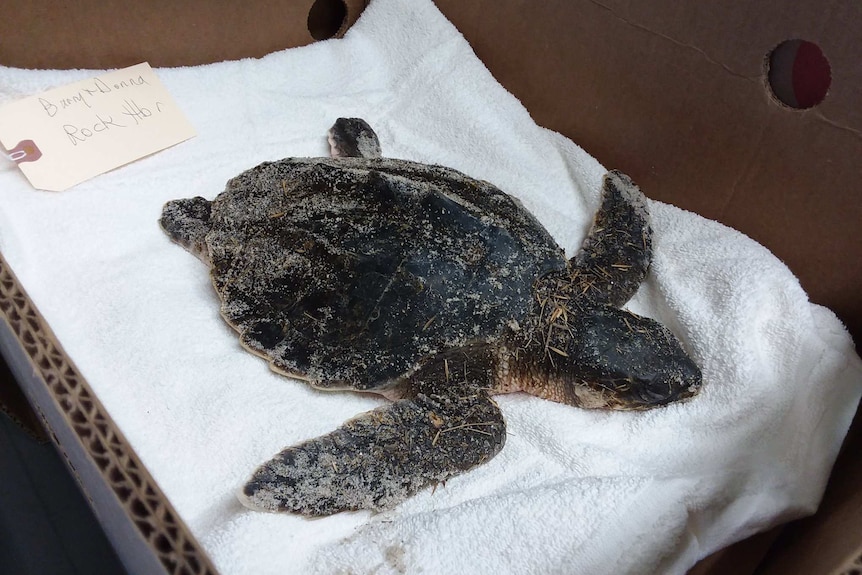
[617,252]
[384,456]
[353,138]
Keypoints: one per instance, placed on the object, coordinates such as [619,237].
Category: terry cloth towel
[573,491]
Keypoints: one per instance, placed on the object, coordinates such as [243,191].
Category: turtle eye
[675,379]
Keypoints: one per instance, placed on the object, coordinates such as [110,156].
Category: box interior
[693,101]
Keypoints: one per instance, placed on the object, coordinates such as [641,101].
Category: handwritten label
[90,127]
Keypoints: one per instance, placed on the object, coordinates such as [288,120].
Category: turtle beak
[678,382]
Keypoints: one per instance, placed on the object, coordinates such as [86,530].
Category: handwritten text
[86,95]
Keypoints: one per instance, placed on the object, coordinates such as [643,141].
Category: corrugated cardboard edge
[147,508]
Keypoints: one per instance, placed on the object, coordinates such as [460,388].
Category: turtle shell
[348,272]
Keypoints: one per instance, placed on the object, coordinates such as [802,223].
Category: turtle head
[608,358]
[630,361]
[187,222]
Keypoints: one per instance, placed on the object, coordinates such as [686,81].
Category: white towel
[573,491]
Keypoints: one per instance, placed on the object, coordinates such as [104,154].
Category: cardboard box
[677,95]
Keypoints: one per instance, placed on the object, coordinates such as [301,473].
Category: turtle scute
[349,272]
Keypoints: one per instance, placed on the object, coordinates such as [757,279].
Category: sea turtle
[434,289]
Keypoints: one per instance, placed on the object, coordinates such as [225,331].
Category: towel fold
[573,491]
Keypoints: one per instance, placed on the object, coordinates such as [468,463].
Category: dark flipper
[353,138]
[187,222]
[617,252]
[384,456]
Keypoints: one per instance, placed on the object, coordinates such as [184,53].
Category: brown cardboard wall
[117,33]
[675,95]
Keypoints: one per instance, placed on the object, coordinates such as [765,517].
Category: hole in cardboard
[798,74]
[325,18]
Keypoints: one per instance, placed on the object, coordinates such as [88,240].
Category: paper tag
[70,134]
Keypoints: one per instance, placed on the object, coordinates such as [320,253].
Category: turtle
[433,289]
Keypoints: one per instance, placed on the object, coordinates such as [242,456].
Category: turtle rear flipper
[353,138]
[617,252]
[187,223]
[384,456]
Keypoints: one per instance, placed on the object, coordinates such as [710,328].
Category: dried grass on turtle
[434,289]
